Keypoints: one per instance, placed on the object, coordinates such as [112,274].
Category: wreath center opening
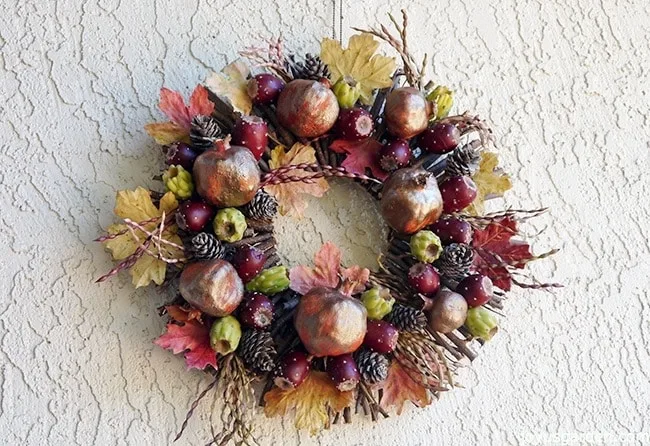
[346,215]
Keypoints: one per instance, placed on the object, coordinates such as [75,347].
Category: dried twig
[281,174]
[414,74]
[271,57]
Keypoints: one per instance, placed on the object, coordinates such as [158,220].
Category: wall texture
[566,85]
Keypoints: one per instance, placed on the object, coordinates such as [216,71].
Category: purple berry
[381,336]
[395,154]
[265,88]
[354,124]
[292,370]
[441,138]
[477,289]
[452,230]
[181,154]
[343,371]
[248,261]
[193,215]
[457,193]
[424,278]
[256,311]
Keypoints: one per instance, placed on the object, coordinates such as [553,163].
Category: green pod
[225,335]
[481,323]
[378,302]
[426,246]
[270,281]
[179,182]
[229,225]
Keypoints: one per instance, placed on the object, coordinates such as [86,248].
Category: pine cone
[455,262]
[262,207]
[206,246]
[406,318]
[204,132]
[463,161]
[257,350]
[373,366]
[312,68]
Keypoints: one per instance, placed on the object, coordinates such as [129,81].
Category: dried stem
[194,405]
[271,57]
[414,74]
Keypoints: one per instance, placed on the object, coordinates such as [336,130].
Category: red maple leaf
[361,155]
[497,252]
[193,339]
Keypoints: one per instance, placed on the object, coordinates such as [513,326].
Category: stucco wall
[566,86]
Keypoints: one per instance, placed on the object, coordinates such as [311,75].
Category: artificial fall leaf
[311,401]
[180,115]
[399,388]
[137,206]
[361,155]
[181,314]
[326,271]
[165,133]
[231,85]
[491,182]
[496,251]
[359,62]
[193,339]
[290,195]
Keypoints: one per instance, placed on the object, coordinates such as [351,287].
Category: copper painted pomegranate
[307,108]
[227,178]
[448,312]
[330,323]
[411,200]
[407,112]
[212,286]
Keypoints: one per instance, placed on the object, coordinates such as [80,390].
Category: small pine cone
[455,262]
[312,68]
[406,318]
[373,366]
[257,350]
[204,132]
[463,161]
[206,246]
[262,207]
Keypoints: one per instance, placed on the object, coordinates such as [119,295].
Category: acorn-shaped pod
[407,112]
[227,178]
[411,200]
[212,286]
[307,108]
[330,323]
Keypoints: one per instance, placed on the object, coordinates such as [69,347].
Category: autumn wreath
[323,340]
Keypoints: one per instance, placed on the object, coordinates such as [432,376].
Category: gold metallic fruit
[330,323]
[407,112]
[411,200]
[448,312]
[212,286]
[307,108]
[227,178]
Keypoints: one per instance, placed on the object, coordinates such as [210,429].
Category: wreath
[324,340]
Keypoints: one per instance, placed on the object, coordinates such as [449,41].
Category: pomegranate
[227,178]
[411,200]
[307,108]
[330,323]
[212,286]
[407,112]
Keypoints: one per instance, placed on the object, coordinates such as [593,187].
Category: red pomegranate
[226,178]
[307,108]
[212,286]
[407,112]
[330,323]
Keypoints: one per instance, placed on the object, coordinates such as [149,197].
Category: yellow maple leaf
[491,182]
[290,195]
[167,132]
[311,401]
[399,388]
[137,206]
[360,62]
[231,85]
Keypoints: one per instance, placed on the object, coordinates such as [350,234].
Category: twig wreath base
[325,341]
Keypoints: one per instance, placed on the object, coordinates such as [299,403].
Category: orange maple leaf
[399,388]
[310,400]
[180,314]
[173,106]
[193,340]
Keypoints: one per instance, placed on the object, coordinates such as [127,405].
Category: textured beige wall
[566,85]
